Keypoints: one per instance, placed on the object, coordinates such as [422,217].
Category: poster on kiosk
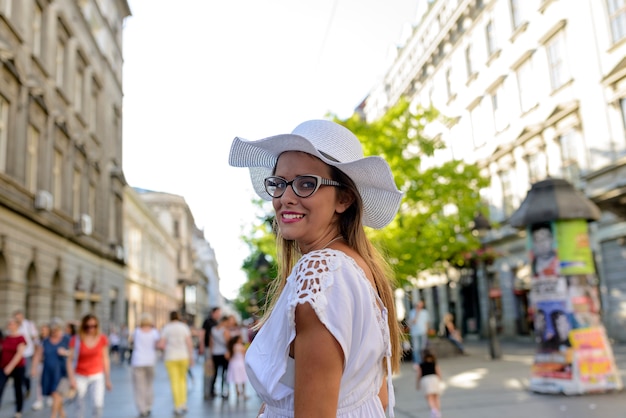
[573,354]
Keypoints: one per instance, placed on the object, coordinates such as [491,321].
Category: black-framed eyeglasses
[303,186]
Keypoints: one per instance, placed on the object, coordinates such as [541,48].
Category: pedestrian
[176,342]
[204,349]
[13,363]
[114,345]
[124,345]
[418,323]
[220,335]
[29,331]
[52,354]
[451,332]
[236,365]
[143,360]
[44,332]
[329,340]
[429,380]
[89,366]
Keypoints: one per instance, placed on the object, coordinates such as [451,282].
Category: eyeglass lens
[303,186]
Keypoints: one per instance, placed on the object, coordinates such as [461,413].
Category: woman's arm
[418,377]
[107,367]
[189,344]
[36,360]
[438,371]
[19,353]
[318,366]
[69,363]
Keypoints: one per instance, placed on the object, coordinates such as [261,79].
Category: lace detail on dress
[311,279]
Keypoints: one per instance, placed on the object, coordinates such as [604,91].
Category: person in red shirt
[88,365]
[12,363]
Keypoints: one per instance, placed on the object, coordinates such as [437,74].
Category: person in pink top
[88,365]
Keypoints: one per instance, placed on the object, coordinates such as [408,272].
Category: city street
[475,387]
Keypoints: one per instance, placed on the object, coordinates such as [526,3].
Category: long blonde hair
[351,229]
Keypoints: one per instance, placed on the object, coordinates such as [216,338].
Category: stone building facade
[61,182]
[190,280]
[534,89]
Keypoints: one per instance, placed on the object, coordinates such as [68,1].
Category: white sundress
[349,307]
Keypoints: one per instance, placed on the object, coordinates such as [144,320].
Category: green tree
[434,225]
[259,266]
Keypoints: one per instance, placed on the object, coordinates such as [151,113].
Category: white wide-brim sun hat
[334,145]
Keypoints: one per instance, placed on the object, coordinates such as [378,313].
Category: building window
[468,61]
[93,106]
[4,127]
[480,124]
[79,84]
[570,169]
[76,181]
[37,29]
[537,170]
[622,107]
[57,178]
[526,85]
[498,105]
[61,52]
[449,83]
[508,192]
[617,16]
[517,17]
[91,200]
[492,42]
[176,227]
[557,60]
[32,155]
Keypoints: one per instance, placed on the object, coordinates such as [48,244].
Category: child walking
[429,378]
[236,366]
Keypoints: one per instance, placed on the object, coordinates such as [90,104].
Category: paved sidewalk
[476,387]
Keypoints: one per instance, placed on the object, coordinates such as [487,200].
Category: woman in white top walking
[142,361]
[176,341]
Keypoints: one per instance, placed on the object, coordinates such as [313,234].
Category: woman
[176,341]
[44,332]
[452,333]
[88,365]
[220,335]
[52,353]
[329,340]
[13,364]
[142,361]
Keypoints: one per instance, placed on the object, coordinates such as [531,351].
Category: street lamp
[482,226]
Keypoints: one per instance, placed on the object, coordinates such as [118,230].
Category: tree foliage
[441,195]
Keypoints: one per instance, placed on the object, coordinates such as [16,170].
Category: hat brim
[372,176]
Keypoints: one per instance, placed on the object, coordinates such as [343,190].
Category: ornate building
[188,280]
[534,89]
[61,181]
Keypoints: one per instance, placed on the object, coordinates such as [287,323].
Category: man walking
[418,323]
[205,348]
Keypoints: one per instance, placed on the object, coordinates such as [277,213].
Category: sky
[197,73]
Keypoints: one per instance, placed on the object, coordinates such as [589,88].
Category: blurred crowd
[66,364]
